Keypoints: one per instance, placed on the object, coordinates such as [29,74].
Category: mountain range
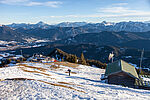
[103,26]
[85,33]
[67,30]
[126,39]
[30,26]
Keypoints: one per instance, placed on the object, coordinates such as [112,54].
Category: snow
[3,42]
[146,79]
[128,56]
[51,81]
[19,56]
[42,41]
[147,69]
[11,64]
[134,65]
[1,58]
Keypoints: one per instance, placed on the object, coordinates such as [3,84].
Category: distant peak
[104,22]
[41,23]
[107,23]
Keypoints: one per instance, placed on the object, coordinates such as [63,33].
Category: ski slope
[51,81]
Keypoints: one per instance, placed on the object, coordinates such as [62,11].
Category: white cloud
[33,4]
[122,10]
[12,1]
[125,15]
[117,10]
[80,16]
[53,4]
[120,4]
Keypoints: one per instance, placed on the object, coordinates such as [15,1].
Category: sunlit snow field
[51,81]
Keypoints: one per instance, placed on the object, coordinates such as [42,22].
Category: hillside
[59,54]
[105,38]
[8,34]
[100,53]
[51,81]
[139,44]
[90,51]
[56,33]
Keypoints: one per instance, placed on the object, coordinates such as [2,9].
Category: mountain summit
[41,23]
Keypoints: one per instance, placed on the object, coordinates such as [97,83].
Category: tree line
[74,59]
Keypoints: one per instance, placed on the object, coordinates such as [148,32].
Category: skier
[69,71]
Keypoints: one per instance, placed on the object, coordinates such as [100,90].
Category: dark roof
[121,66]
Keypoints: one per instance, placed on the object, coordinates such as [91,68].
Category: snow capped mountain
[41,23]
[14,25]
[121,26]
[30,26]
[71,29]
[71,24]
[108,23]
[131,27]
[97,27]
[147,22]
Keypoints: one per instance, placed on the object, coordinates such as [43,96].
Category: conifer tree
[83,62]
[75,59]
[67,58]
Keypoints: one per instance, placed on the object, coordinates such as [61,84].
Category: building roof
[121,66]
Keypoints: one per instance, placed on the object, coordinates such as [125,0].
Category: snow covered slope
[51,81]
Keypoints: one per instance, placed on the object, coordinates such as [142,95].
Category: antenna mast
[142,53]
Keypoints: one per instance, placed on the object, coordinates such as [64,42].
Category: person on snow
[69,71]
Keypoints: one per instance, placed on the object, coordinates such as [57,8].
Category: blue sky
[56,11]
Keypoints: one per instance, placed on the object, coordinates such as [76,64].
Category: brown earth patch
[54,84]
[38,68]
[69,83]
[25,70]
[54,66]
[71,72]
[67,64]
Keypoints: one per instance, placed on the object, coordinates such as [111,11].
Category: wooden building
[121,73]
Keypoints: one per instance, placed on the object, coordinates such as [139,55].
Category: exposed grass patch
[71,72]
[54,84]
[67,64]
[25,70]
[55,66]
[69,83]
[38,68]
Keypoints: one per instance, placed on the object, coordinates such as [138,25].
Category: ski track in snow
[55,84]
